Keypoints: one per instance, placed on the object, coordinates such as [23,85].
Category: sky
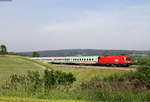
[31,25]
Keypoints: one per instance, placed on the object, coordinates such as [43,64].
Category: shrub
[145,61]
[64,78]
[33,82]
[48,79]
[18,80]
[143,74]
[138,80]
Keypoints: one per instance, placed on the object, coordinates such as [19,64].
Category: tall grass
[16,99]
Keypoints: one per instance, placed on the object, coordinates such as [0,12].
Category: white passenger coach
[84,59]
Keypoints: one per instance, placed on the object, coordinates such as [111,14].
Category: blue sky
[28,25]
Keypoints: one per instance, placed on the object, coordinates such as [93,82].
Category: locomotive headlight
[116,60]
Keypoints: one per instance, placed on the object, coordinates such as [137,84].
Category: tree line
[3,50]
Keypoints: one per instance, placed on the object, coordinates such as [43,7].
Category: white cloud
[83,24]
[145,6]
[115,30]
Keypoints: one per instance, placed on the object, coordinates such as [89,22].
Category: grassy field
[14,64]
[87,74]
[15,99]
[20,65]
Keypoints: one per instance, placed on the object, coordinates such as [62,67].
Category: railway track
[97,67]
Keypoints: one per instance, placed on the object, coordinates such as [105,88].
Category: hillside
[15,64]
[58,93]
[83,52]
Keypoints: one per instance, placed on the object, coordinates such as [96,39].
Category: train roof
[76,57]
[66,57]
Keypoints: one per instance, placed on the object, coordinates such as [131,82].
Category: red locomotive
[97,60]
[115,60]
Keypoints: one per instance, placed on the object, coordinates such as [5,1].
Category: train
[123,60]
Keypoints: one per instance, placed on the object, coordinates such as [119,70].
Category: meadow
[20,65]
[15,65]
[82,90]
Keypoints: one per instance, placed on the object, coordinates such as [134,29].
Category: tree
[3,49]
[35,54]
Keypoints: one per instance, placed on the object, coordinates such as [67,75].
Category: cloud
[124,29]
[130,17]
[145,6]
[83,24]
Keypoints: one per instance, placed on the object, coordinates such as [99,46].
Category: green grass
[87,74]
[20,65]
[16,99]
[17,64]
[14,64]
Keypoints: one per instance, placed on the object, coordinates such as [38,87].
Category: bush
[138,80]
[33,82]
[143,74]
[145,61]
[48,79]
